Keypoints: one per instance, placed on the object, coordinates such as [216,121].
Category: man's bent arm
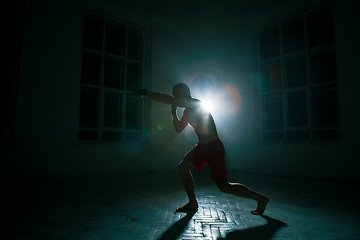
[179,125]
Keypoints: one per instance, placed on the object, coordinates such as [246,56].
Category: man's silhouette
[209,149]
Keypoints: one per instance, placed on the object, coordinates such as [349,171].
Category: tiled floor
[141,206]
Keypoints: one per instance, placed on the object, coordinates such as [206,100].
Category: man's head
[181,90]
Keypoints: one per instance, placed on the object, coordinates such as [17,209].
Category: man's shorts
[213,154]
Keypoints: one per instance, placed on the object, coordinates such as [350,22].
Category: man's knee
[184,166]
[224,187]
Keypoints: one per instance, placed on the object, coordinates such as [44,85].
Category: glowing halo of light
[222,100]
[235,98]
[219,97]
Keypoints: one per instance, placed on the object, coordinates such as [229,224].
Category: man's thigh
[218,170]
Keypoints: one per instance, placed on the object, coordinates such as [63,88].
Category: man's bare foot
[189,207]
[261,206]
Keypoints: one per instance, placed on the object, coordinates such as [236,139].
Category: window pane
[89,108]
[272,77]
[112,136]
[295,72]
[323,67]
[320,27]
[297,134]
[133,136]
[270,43]
[273,111]
[7,50]
[91,69]
[115,39]
[132,113]
[199,85]
[211,82]
[113,110]
[273,135]
[296,109]
[5,133]
[93,32]
[113,73]
[325,109]
[326,134]
[9,14]
[201,81]
[134,45]
[195,83]
[134,76]
[88,135]
[5,93]
[293,36]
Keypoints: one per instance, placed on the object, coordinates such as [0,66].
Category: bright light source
[221,101]
[208,105]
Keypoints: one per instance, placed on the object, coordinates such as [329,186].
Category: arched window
[299,78]
[203,83]
[112,67]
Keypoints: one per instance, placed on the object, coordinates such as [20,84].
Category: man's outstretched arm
[160,97]
[164,98]
[179,125]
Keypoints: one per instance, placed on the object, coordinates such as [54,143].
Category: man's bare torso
[203,124]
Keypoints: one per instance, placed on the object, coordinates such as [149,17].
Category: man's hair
[183,88]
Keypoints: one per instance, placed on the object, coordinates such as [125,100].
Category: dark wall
[181,38]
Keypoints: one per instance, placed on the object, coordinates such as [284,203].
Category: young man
[209,149]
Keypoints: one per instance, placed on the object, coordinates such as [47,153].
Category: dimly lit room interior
[85,157]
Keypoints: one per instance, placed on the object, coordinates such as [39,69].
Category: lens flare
[160,127]
[233,96]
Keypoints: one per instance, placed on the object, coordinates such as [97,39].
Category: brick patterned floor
[141,206]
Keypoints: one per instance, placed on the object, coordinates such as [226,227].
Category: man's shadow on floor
[263,232]
[177,228]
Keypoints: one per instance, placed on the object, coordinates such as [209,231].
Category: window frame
[284,90]
[123,93]
[11,74]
